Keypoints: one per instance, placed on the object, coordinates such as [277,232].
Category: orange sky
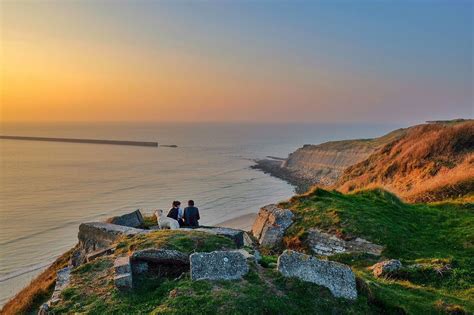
[86,62]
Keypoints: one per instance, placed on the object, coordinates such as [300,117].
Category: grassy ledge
[437,238]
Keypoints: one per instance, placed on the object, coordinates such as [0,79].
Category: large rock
[270,225]
[96,235]
[386,268]
[237,236]
[218,265]
[133,219]
[328,244]
[338,278]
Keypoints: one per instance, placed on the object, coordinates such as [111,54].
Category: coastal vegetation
[429,163]
[434,241]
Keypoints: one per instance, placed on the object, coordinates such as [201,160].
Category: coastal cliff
[323,163]
[422,163]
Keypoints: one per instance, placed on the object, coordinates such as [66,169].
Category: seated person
[176,213]
[191,215]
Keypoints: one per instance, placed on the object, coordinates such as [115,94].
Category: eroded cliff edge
[323,163]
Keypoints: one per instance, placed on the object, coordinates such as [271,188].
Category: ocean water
[48,188]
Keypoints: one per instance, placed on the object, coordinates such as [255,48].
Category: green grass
[430,235]
[184,241]
[93,293]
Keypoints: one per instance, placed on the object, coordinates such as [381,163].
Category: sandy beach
[244,222]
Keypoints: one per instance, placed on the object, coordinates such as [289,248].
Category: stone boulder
[237,236]
[271,224]
[218,265]
[386,268]
[338,278]
[133,219]
[328,244]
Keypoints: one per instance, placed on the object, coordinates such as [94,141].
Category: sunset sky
[319,61]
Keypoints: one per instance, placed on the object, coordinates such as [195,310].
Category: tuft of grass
[149,221]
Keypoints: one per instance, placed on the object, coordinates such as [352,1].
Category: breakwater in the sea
[91,141]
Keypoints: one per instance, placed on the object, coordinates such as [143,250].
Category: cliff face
[318,164]
[324,163]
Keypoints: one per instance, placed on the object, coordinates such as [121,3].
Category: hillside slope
[429,162]
[435,243]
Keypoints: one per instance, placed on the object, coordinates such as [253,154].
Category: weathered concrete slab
[338,278]
[99,253]
[218,265]
[328,244]
[133,219]
[122,265]
[96,235]
[124,282]
[270,225]
[123,279]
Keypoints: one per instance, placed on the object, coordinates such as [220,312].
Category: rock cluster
[386,268]
[328,244]
[270,225]
[338,278]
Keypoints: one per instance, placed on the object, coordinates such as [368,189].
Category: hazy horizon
[322,61]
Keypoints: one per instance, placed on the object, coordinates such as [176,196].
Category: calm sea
[48,188]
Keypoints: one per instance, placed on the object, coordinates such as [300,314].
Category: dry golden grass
[429,163]
[38,291]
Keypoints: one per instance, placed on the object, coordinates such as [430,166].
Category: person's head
[176,203]
[191,203]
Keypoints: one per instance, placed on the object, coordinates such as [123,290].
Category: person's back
[191,215]
[174,211]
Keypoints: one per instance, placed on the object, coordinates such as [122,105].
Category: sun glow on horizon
[73,62]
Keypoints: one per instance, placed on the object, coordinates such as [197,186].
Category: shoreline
[273,168]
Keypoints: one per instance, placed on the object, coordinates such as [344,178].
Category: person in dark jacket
[191,215]
[174,213]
